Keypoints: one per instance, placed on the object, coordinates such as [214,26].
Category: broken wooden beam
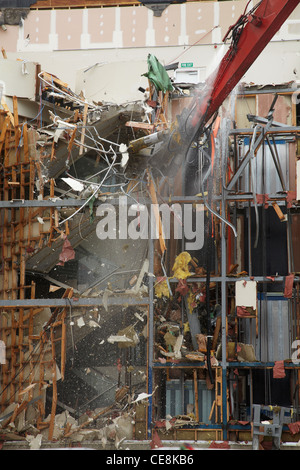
[140,125]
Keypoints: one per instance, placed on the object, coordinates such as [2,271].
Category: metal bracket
[272,428]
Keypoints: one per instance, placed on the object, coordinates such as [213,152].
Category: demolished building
[110,336]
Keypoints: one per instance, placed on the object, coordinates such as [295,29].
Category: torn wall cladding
[124,338]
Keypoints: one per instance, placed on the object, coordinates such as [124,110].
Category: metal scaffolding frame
[227,195]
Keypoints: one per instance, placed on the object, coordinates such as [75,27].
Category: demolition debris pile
[104,337]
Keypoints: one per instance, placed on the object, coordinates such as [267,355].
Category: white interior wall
[117,72]
[68,46]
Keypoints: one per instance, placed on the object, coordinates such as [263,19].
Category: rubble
[85,317]
[40,156]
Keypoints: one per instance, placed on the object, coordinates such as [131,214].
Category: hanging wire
[207,205]
[92,195]
[254,191]
[71,97]
[194,44]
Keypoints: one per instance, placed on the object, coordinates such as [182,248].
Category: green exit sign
[187,64]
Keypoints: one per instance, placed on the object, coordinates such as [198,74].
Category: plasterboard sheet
[246,294]
[116,82]
[18,78]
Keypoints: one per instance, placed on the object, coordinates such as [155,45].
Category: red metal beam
[256,30]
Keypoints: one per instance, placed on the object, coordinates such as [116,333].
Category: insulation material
[162,288]
[278,370]
[178,346]
[243,311]
[288,286]
[67,253]
[294,427]
[170,339]
[182,287]
[35,442]
[181,266]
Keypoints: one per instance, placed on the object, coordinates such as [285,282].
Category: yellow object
[191,300]
[162,289]
[180,267]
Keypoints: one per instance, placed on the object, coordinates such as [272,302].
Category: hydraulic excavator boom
[249,36]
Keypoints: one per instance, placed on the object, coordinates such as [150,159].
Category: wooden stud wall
[30,354]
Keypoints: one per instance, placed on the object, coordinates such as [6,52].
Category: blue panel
[176,406]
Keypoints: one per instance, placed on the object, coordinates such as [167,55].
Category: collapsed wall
[56,167]
[103,332]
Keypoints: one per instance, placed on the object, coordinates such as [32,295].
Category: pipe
[207,205]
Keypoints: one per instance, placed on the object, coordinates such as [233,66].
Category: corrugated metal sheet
[176,406]
[266,177]
[273,341]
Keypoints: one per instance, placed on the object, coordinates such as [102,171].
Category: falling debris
[67,253]
[181,266]
[116,324]
[76,185]
[80,322]
[142,396]
[35,442]
[125,338]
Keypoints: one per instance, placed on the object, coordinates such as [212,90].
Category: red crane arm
[250,35]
